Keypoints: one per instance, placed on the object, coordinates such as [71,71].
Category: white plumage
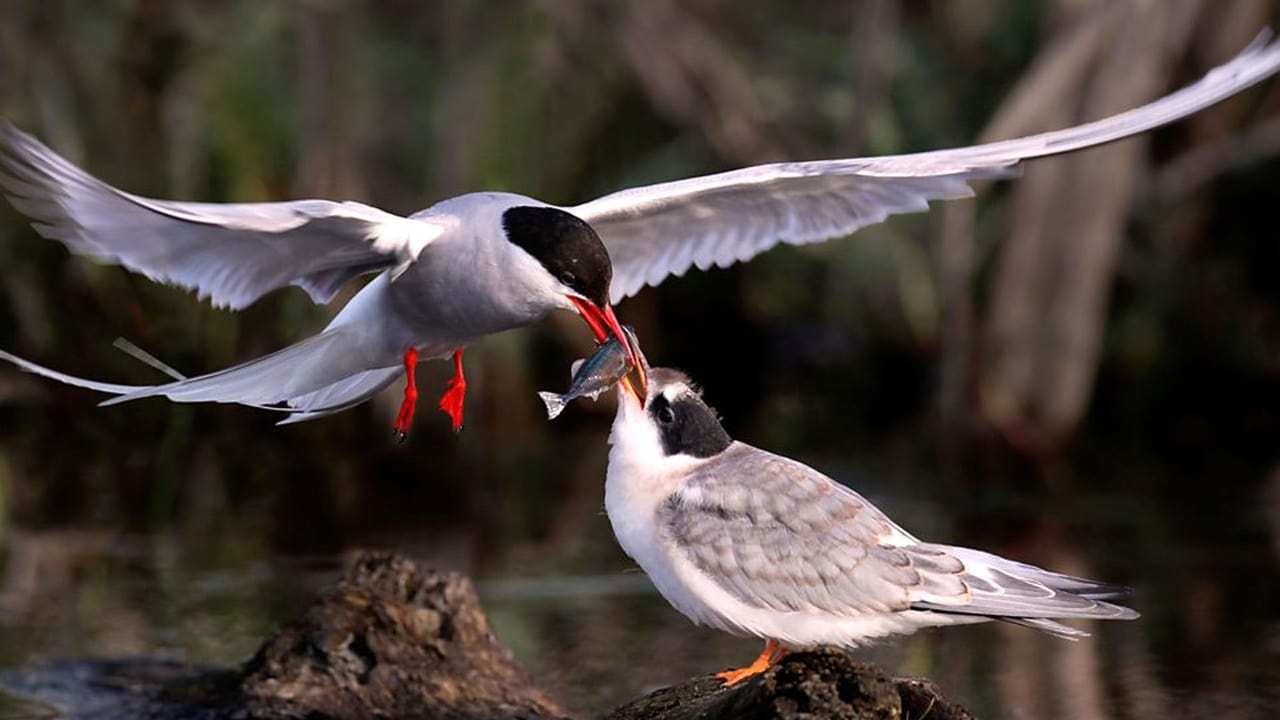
[756,544]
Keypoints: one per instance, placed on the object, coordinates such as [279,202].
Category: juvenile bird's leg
[404,418]
[772,653]
[451,401]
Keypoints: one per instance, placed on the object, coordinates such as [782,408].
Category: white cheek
[637,450]
[529,281]
[561,299]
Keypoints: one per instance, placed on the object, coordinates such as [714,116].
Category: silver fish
[596,374]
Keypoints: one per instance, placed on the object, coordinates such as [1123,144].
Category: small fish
[594,375]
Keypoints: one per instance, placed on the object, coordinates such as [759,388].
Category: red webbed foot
[454,394]
[404,418]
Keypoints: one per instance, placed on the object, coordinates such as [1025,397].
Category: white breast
[639,479]
[636,484]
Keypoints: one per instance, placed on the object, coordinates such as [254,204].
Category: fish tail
[555,403]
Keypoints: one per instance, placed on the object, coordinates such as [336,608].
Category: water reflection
[595,633]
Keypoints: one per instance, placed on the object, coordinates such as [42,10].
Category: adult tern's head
[573,255]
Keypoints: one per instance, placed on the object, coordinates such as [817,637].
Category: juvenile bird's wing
[779,535]
[659,230]
[230,253]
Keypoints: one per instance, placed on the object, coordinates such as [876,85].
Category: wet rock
[808,685]
[388,641]
[392,641]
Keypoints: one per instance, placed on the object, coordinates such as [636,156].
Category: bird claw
[404,419]
[455,393]
[729,678]
[772,653]
[452,400]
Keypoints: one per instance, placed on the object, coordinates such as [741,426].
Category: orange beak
[604,323]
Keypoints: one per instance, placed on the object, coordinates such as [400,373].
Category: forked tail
[315,377]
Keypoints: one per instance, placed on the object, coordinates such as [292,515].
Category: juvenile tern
[486,262]
[756,544]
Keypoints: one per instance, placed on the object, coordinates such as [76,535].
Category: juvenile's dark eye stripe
[693,428]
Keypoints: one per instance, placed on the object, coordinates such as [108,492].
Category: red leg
[405,417]
[451,401]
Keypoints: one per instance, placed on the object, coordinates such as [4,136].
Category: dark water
[593,632]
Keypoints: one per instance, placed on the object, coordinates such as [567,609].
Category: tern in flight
[759,545]
[486,262]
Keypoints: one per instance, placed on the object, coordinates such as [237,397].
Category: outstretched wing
[230,253]
[779,535]
[660,230]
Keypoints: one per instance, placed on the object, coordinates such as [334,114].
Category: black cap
[565,245]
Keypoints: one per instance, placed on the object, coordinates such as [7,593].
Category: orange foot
[404,418]
[771,654]
[451,401]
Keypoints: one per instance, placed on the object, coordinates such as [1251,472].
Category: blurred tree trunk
[1035,104]
[1048,306]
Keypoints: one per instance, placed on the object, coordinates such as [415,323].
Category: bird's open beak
[604,323]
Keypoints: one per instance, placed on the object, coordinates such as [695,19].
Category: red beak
[604,323]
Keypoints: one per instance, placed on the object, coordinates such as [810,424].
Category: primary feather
[230,253]
[660,230]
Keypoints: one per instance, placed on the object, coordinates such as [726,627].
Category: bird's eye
[666,416]
[568,278]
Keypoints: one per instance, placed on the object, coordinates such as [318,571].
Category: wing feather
[733,216]
[786,538]
[779,535]
[230,253]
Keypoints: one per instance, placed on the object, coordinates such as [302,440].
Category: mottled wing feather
[229,253]
[660,230]
[779,535]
